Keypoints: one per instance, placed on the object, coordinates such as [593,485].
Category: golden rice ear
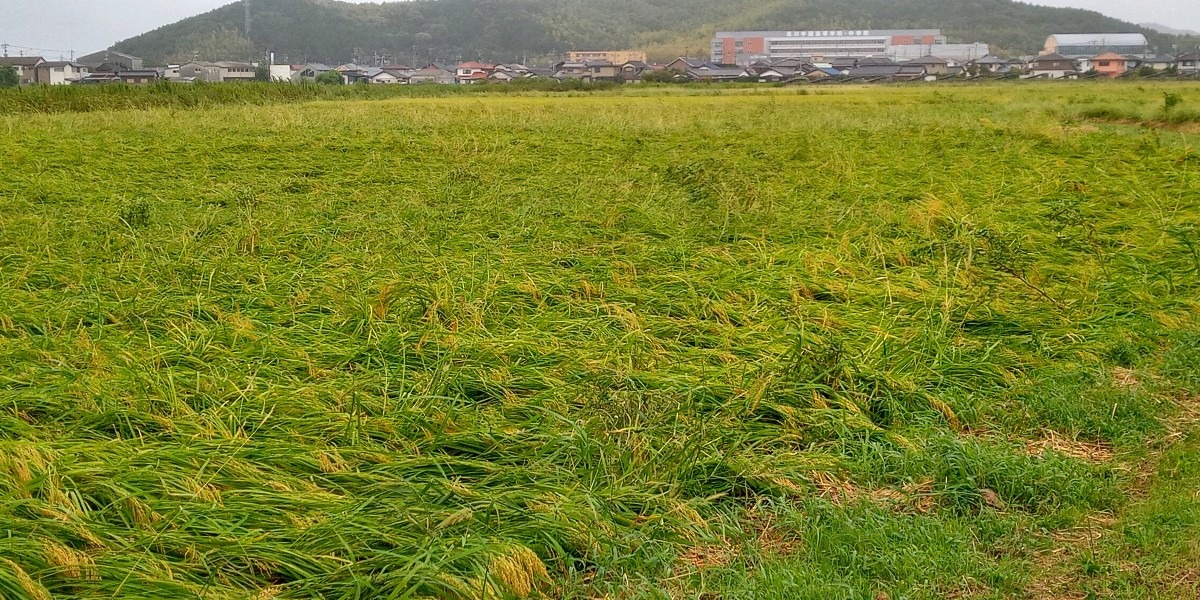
[35,590]
[519,571]
[457,587]
[74,563]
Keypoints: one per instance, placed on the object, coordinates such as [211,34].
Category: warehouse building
[1086,45]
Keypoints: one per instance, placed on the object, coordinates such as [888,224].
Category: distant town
[826,56]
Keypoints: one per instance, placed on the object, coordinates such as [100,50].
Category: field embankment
[902,342]
[92,98]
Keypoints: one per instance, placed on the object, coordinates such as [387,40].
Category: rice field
[892,342]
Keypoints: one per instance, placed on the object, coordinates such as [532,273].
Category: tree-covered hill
[325,30]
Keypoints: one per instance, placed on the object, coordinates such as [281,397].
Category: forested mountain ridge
[447,30]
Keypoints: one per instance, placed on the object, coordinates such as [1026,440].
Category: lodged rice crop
[902,341]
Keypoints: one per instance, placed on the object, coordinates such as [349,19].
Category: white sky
[56,26]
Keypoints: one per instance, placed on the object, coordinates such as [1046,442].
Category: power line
[20,47]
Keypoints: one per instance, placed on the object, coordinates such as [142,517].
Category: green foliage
[225,42]
[135,215]
[9,77]
[330,78]
[645,341]
[262,73]
[446,30]
[1170,101]
[664,76]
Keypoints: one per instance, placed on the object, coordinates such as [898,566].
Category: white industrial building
[746,47]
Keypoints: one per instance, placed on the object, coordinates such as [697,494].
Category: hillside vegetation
[938,342]
[445,30]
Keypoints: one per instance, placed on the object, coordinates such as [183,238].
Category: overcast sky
[52,27]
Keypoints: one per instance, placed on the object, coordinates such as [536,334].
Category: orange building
[1109,64]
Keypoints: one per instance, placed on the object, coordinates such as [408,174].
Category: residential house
[890,72]
[815,73]
[130,77]
[26,66]
[171,72]
[774,72]
[352,73]
[310,72]
[139,76]
[706,73]
[909,73]
[1158,62]
[61,72]
[697,70]
[631,71]
[1108,64]
[990,64]
[1053,66]
[99,77]
[789,63]
[376,75]
[236,71]
[602,70]
[1188,64]
[124,61]
[431,74]
[200,71]
[472,72]
[502,76]
[570,70]
[844,63]
[933,65]
[400,72]
[514,69]
[684,63]
[771,74]
[875,61]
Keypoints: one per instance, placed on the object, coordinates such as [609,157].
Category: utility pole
[5,46]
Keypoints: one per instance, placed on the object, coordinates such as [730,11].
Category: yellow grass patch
[1087,451]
